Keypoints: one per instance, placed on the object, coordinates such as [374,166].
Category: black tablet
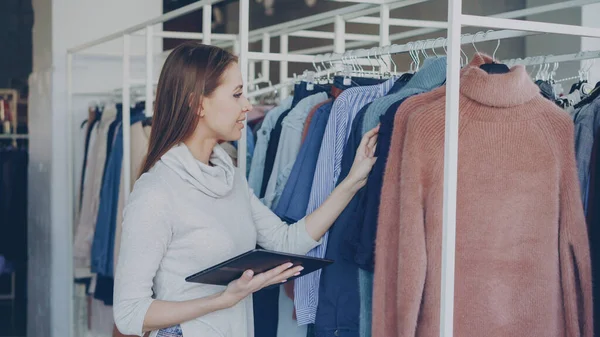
[257,260]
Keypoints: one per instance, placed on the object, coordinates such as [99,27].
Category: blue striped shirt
[345,108]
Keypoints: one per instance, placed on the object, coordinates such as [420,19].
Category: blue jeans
[174,331]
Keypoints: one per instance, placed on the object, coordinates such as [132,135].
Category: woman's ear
[201,112]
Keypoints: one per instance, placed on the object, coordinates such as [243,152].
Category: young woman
[191,208]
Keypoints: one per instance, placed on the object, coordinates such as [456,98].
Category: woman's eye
[237,95]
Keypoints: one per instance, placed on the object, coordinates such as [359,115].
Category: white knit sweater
[182,217]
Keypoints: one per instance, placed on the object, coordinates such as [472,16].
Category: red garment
[310,116]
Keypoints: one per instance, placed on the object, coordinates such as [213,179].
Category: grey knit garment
[431,76]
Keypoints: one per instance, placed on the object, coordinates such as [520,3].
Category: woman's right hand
[249,283]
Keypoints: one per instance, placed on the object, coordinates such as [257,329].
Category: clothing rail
[14,136]
[537,60]
[287,83]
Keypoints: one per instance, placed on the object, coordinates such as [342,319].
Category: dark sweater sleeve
[574,247]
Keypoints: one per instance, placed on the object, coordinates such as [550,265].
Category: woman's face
[225,110]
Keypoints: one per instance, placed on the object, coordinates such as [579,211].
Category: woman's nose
[247,106]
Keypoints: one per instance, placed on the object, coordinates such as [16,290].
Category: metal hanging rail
[14,136]
[537,60]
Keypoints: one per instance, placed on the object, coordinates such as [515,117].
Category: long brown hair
[192,71]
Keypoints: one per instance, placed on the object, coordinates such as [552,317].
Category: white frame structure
[359,13]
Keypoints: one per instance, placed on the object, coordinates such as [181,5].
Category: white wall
[553,44]
[61,24]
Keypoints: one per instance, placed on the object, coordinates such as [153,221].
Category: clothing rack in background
[13,206]
[8,118]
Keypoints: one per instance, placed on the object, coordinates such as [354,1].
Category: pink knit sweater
[522,252]
[385,294]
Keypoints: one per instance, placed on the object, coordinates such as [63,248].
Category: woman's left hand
[365,159]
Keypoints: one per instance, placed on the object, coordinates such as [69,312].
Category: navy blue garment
[136,111]
[266,312]
[301,91]
[338,82]
[338,310]
[294,198]
[104,289]
[13,204]
[111,135]
[400,83]
[363,232]
[272,152]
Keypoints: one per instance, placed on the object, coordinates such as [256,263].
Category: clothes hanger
[494,67]
[592,95]
[373,72]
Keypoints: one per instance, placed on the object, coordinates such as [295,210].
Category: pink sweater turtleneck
[522,252]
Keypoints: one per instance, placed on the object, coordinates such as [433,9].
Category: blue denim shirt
[587,121]
[106,224]
[263,135]
[294,198]
[289,145]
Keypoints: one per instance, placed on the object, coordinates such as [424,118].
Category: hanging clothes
[289,145]
[385,289]
[13,204]
[283,135]
[593,221]
[93,119]
[86,224]
[294,198]
[344,109]
[339,304]
[104,234]
[516,153]
[257,167]
[300,92]
[331,291]
[587,122]
[431,76]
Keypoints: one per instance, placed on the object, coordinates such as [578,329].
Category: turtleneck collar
[498,90]
[215,181]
